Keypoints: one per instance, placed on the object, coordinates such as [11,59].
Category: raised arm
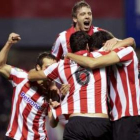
[4,68]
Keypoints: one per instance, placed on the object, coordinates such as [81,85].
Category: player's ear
[74,19]
[38,67]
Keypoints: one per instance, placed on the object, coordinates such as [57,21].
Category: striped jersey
[88,88]
[124,85]
[61,46]
[29,109]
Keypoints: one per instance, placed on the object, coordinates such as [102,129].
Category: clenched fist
[13,38]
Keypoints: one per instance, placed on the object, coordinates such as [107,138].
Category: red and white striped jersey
[29,109]
[124,85]
[61,46]
[88,88]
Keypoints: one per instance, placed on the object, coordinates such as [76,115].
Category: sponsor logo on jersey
[30,101]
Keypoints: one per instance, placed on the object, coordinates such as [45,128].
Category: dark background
[39,21]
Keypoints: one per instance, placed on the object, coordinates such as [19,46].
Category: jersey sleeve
[57,49]
[17,75]
[124,54]
[52,71]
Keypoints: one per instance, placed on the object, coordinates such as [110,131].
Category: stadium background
[39,22]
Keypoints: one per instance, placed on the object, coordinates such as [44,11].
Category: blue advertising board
[133,20]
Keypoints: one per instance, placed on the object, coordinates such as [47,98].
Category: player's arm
[49,72]
[34,75]
[115,43]
[52,120]
[89,62]
[126,42]
[106,60]
[4,68]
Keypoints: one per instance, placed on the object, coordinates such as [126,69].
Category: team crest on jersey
[82,76]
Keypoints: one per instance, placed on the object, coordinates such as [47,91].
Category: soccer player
[86,101]
[82,21]
[29,108]
[124,85]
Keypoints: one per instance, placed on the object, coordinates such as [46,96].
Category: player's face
[47,62]
[84,19]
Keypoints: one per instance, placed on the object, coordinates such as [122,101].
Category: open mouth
[87,24]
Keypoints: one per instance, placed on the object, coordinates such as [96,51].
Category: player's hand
[13,38]
[64,89]
[54,104]
[108,46]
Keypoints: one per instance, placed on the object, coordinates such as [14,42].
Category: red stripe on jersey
[97,76]
[60,52]
[35,126]
[67,71]
[68,34]
[91,30]
[127,57]
[124,85]
[60,49]
[117,99]
[132,87]
[25,114]
[127,79]
[83,99]
[15,122]
[16,79]
[58,111]
[13,96]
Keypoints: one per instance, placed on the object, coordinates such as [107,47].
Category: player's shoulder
[66,31]
[18,70]
[62,33]
[96,29]
[97,53]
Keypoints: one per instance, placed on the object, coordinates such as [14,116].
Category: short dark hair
[41,56]
[79,41]
[77,6]
[98,38]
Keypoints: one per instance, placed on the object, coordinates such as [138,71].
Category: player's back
[88,88]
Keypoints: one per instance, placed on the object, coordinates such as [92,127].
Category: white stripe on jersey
[113,97]
[129,65]
[103,89]
[64,102]
[129,94]
[95,29]
[32,106]
[20,118]
[18,89]
[76,95]
[77,104]
[63,42]
[103,82]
